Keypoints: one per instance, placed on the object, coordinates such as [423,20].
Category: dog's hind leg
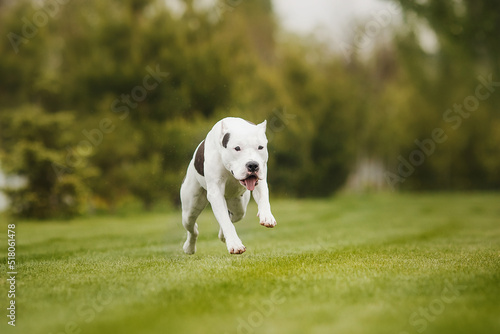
[238,206]
[194,200]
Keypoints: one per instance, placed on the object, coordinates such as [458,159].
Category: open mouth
[250,182]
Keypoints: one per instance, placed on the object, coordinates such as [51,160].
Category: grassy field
[426,263]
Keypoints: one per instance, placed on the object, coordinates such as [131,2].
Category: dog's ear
[223,128]
[262,126]
[224,134]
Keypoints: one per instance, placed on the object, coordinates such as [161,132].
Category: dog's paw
[189,248]
[267,220]
[235,246]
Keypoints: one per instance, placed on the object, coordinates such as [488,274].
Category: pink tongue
[250,183]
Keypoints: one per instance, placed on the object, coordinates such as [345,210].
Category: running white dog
[229,164]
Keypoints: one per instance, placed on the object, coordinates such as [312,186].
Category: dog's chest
[233,188]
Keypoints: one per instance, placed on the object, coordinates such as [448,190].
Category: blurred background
[102,103]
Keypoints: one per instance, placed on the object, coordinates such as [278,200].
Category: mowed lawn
[395,263]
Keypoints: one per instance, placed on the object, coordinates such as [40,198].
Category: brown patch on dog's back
[199,159]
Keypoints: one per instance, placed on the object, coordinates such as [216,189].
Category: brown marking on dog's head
[225,139]
[199,159]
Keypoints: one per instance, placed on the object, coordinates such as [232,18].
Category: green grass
[426,263]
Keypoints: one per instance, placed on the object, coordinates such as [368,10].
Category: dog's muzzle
[252,178]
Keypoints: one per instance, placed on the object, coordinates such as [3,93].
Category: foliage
[466,34]
[36,142]
[126,90]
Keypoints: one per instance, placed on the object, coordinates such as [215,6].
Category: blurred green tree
[135,86]
[36,147]
[466,34]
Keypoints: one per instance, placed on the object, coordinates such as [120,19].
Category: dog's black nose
[252,166]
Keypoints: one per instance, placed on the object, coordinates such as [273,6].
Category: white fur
[220,185]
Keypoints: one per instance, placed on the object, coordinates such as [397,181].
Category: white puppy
[229,164]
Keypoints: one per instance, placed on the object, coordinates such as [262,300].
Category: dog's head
[244,150]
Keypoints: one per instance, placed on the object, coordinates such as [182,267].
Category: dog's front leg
[261,196]
[219,206]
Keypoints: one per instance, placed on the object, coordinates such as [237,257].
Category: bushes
[34,145]
[322,113]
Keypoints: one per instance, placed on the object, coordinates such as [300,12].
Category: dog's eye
[261,147]
[237,148]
